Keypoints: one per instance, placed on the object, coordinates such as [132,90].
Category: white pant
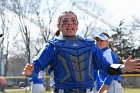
[115,87]
[87,91]
[37,88]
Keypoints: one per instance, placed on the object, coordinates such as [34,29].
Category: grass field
[132,90]
[126,90]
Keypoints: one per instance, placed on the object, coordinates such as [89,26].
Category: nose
[69,22]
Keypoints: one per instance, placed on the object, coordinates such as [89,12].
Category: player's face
[68,24]
[101,43]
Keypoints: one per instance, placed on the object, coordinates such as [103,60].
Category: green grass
[23,92]
[126,90]
[131,90]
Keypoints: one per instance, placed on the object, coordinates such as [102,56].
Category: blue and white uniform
[37,83]
[113,81]
[73,60]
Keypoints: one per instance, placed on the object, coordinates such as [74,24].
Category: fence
[16,82]
[131,80]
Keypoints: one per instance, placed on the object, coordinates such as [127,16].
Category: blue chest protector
[73,67]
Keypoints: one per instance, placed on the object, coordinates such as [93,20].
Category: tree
[135,27]
[121,41]
[20,8]
[5,26]
[44,25]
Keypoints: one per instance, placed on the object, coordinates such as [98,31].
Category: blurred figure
[3,84]
[37,83]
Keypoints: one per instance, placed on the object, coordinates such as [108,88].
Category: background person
[3,84]
[37,83]
[109,83]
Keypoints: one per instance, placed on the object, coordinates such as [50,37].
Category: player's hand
[27,71]
[132,65]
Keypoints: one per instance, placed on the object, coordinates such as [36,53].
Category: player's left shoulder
[88,41]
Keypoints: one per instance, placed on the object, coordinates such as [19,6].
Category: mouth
[70,29]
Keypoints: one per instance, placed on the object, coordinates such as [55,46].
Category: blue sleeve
[35,79]
[43,59]
[99,60]
[108,80]
[102,64]
[99,84]
[99,80]
[103,78]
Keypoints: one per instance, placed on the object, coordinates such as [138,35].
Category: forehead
[97,38]
[69,16]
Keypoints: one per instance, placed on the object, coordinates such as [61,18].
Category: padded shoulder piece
[57,42]
[88,41]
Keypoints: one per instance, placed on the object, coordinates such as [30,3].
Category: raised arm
[41,61]
[115,69]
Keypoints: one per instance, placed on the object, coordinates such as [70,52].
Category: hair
[110,46]
[105,34]
[57,33]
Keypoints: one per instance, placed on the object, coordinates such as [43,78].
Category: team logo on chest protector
[75,44]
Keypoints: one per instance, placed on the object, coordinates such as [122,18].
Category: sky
[121,9]
[117,10]
[114,10]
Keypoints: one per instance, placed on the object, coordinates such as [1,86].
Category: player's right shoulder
[57,42]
